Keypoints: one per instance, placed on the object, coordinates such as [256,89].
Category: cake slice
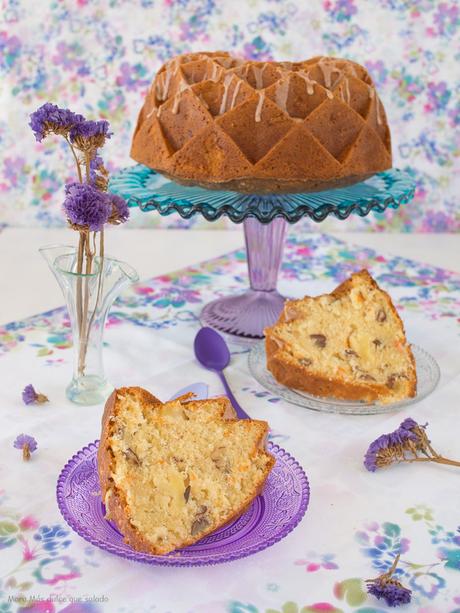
[173,472]
[348,345]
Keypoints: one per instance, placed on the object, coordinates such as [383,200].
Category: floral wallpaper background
[98,57]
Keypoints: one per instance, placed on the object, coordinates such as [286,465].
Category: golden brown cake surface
[171,473]
[224,123]
[349,345]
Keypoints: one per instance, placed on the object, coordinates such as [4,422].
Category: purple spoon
[212,352]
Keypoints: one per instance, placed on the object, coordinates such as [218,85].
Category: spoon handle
[239,411]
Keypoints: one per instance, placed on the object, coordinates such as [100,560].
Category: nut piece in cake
[361,352]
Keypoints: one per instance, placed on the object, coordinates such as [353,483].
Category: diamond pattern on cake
[355,93]
[343,124]
[221,97]
[263,126]
[299,150]
[367,150]
[258,75]
[296,95]
[182,117]
[267,110]
[212,153]
[377,119]
[150,137]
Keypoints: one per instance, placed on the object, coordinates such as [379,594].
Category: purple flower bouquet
[89,279]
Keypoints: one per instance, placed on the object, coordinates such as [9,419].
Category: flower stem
[80,178]
[81,247]
[85,328]
[101,272]
[438,459]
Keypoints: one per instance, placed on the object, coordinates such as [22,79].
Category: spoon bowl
[212,352]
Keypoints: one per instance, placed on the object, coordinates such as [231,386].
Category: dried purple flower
[391,590]
[50,119]
[30,396]
[98,173]
[86,207]
[120,209]
[27,443]
[90,135]
[403,445]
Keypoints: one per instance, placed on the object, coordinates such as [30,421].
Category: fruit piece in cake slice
[171,473]
[348,345]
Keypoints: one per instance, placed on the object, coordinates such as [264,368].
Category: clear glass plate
[428,375]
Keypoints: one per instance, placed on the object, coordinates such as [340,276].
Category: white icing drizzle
[309,82]
[346,90]
[215,72]
[377,108]
[154,108]
[282,93]
[227,80]
[329,94]
[235,94]
[328,69]
[226,61]
[259,105]
[258,75]
[182,87]
[371,92]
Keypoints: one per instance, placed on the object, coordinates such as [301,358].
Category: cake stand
[264,218]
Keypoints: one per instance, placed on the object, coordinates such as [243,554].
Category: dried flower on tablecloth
[50,119]
[120,210]
[391,590]
[30,396]
[27,443]
[408,443]
[86,206]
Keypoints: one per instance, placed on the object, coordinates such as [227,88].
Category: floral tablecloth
[356,521]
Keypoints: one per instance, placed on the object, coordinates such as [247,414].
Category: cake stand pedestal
[264,217]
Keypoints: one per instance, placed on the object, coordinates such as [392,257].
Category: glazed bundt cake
[213,120]
[171,473]
[349,344]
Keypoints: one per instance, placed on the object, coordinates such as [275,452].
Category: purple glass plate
[270,518]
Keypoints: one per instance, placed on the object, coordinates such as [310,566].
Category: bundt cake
[221,122]
[349,345]
[171,473]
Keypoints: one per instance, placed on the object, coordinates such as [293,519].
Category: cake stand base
[245,315]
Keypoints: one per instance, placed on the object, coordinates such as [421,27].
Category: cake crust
[289,372]
[114,498]
[220,122]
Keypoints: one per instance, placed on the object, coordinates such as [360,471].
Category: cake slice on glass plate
[173,472]
[348,345]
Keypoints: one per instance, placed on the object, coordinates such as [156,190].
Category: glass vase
[88,299]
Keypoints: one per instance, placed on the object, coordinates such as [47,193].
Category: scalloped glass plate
[150,191]
[428,375]
[272,515]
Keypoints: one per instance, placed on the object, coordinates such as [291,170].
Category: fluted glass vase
[88,299]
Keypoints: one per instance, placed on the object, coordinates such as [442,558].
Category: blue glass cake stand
[264,217]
